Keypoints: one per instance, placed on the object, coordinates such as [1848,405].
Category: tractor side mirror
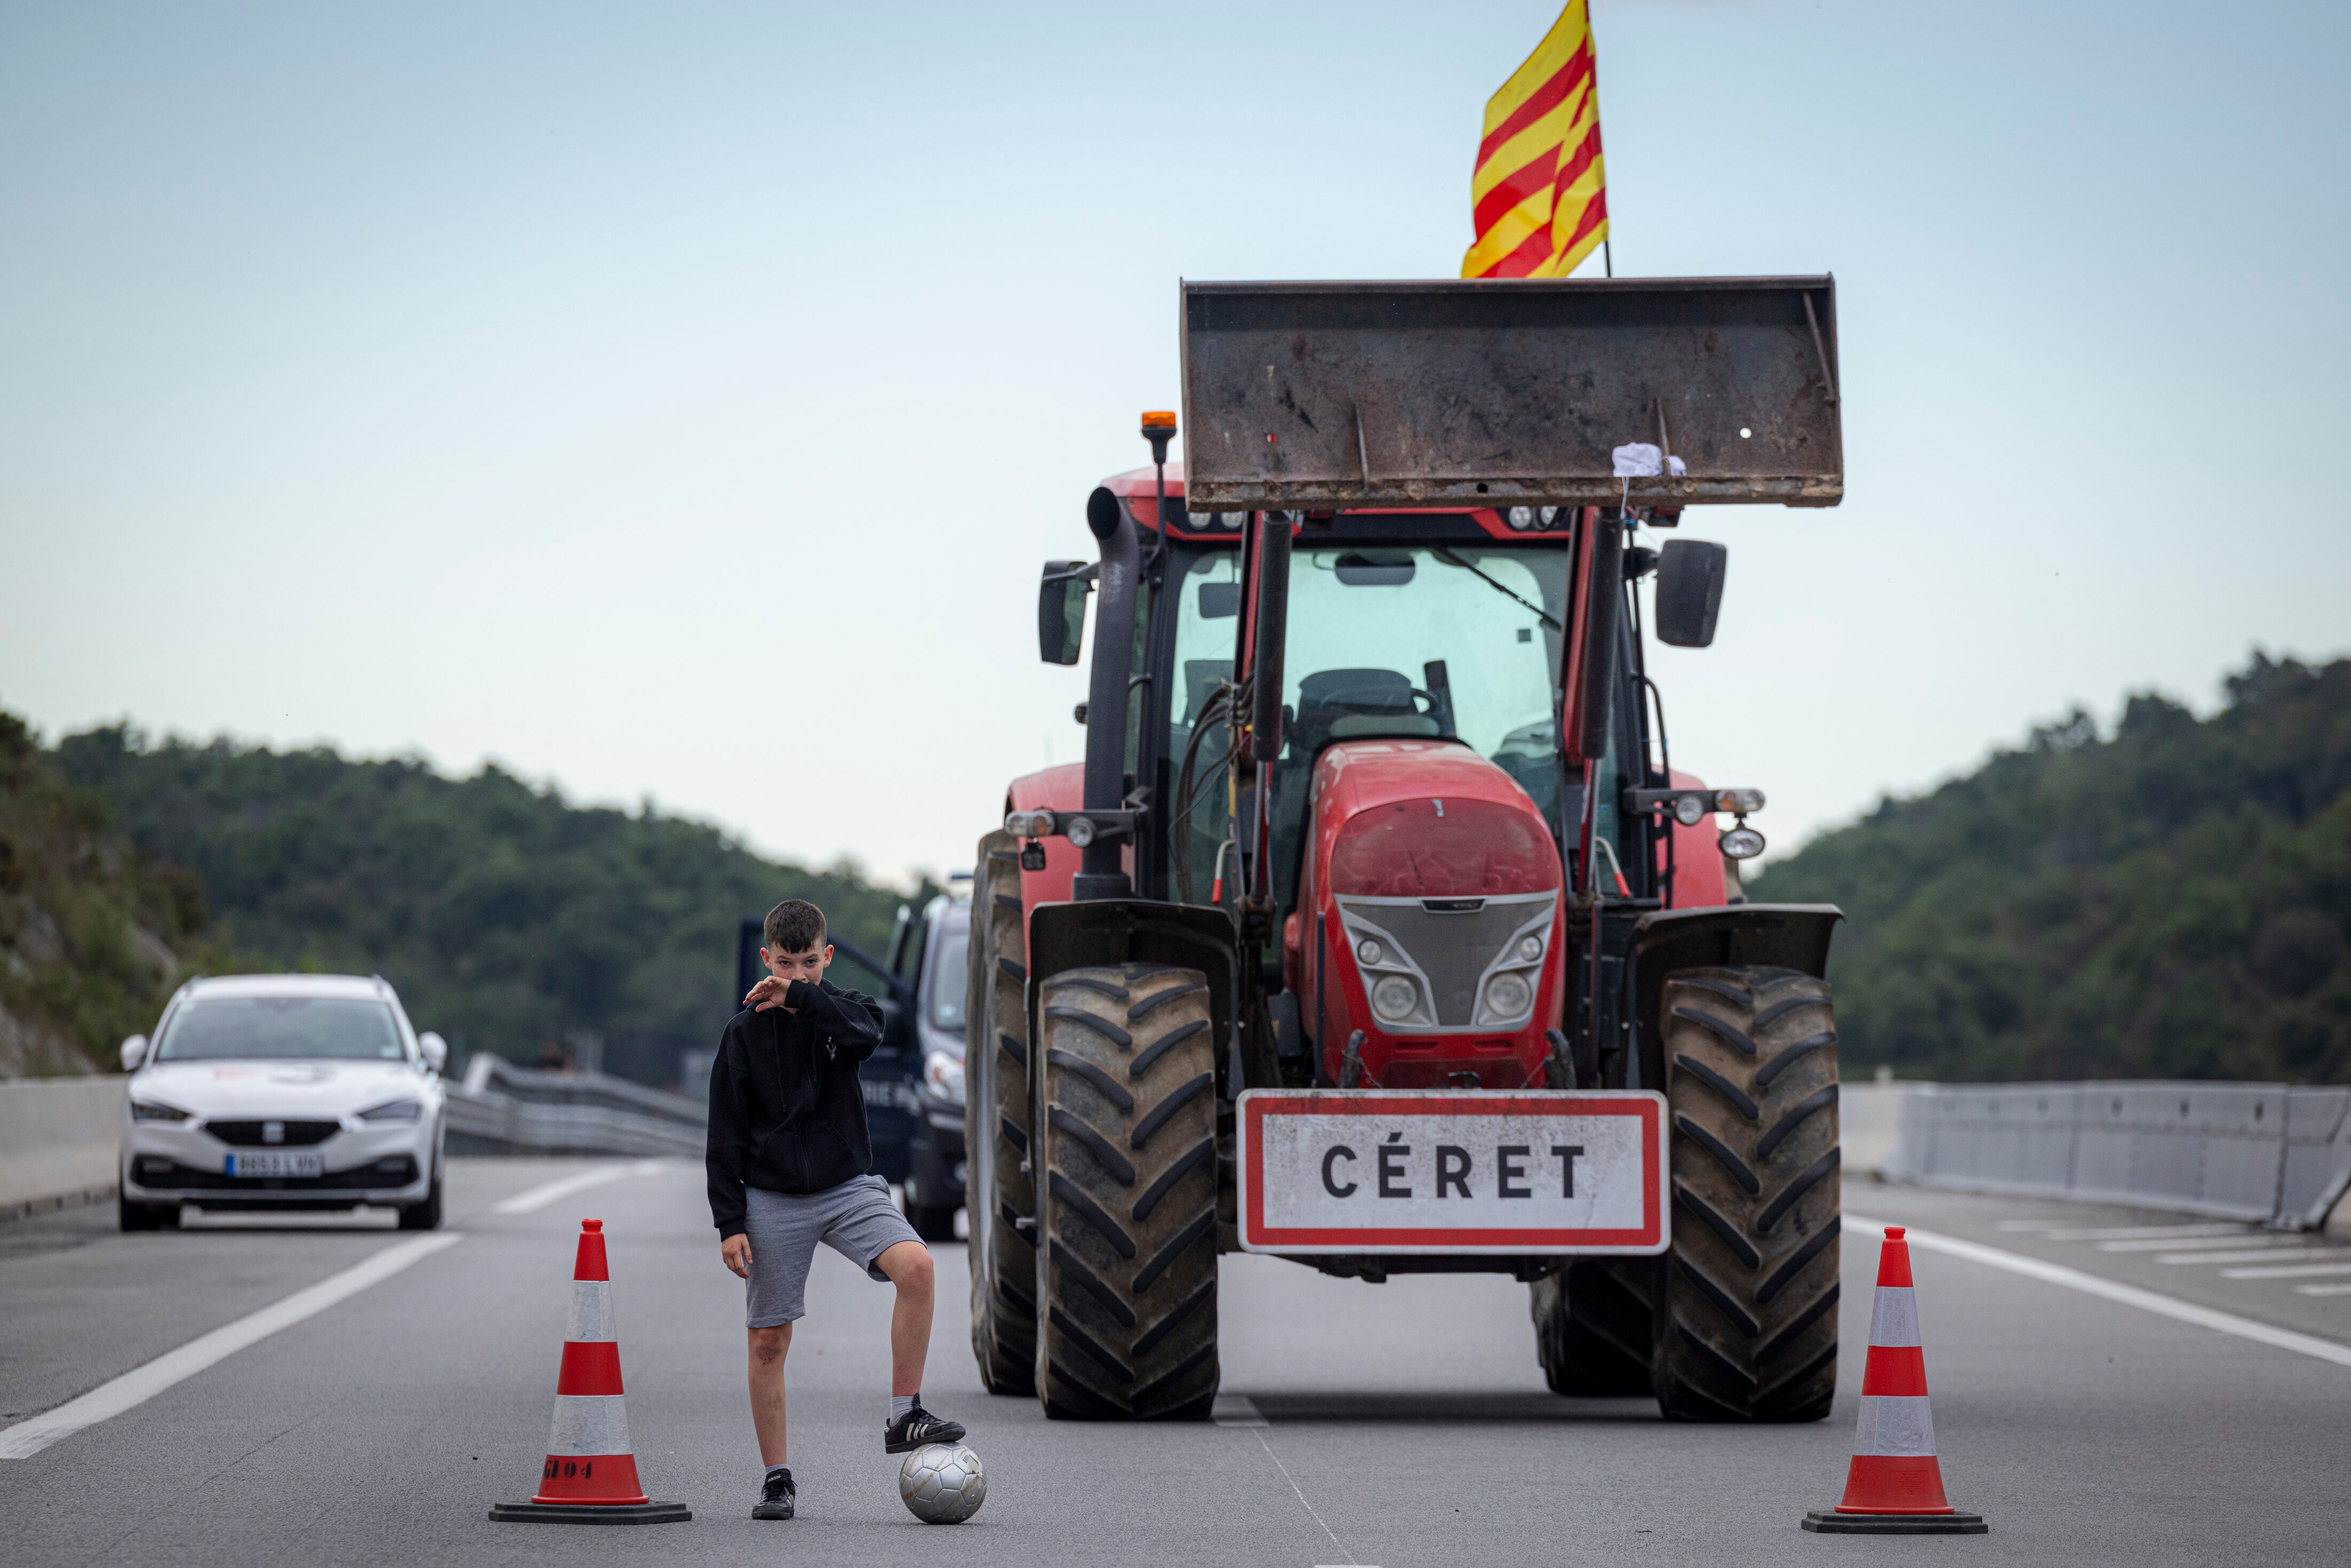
[1062,611]
[1689,592]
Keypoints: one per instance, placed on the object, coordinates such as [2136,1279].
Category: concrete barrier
[2267,1153]
[59,1140]
[1869,1118]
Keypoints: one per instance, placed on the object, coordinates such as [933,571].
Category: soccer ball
[942,1483]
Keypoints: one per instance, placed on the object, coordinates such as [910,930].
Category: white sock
[773,1469]
[901,1403]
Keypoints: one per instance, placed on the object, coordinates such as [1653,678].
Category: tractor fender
[1110,931]
[1787,936]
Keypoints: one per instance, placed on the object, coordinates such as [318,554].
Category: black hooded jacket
[785,1111]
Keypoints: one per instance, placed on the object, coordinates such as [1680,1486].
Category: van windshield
[273,1028]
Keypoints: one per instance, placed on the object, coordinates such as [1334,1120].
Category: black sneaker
[918,1428]
[776,1497]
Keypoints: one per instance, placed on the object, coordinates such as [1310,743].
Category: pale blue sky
[678,400]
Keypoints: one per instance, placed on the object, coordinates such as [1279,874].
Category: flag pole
[1606,260]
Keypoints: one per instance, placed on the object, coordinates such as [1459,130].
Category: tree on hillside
[2172,900]
[505,914]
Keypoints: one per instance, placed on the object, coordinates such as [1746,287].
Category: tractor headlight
[1520,518]
[1395,998]
[943,1076]
[1688,809]
[1529,948]
[1079,831]
[1370,951]
[1741,845]
[1740,800]
[1508,995]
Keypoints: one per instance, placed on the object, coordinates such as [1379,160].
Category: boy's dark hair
[795,926]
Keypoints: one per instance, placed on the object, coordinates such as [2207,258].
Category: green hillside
[505,916]
[93,934]
[2169,900]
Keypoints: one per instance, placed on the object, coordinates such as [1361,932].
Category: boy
[787,1160]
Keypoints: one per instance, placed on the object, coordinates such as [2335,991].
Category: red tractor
[1376,931]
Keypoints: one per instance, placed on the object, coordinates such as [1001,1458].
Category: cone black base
[1828,1522]
[588,1513]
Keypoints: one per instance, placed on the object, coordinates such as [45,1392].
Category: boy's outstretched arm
[852,1019]
[728,1141]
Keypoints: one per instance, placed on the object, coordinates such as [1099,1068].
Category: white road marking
[1236,1410]
[2242,1255]
[2227,1239]
[2057,1232]
[142,1383]
[2293,1271]
[1302,1498]
[2323,1289]
[2115,1291]
[539,1197]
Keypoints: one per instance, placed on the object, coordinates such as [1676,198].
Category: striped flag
[1539,195]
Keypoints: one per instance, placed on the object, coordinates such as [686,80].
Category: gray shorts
[856,1219]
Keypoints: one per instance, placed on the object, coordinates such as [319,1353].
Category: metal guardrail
[503,1109]
[2268,1153]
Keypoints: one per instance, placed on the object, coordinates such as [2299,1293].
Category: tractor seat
[1336,704]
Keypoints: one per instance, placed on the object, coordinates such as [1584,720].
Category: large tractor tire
[1127,1146]
[1594,1327]
[998,1194]
[1747,1320]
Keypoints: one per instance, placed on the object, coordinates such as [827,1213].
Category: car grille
[169,1176]
[249,1135]
[1452,942]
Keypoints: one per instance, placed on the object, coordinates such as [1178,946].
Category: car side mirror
[135,1052]
[1689,592]
[436,1049]
[1062,611]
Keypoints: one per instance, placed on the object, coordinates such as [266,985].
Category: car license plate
[275,1163]
[1452,1171]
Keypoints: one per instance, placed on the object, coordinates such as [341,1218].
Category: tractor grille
[1450,942]
[253,1135]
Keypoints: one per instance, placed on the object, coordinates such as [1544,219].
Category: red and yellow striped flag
[1540,195]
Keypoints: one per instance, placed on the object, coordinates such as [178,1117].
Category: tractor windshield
[1452,641]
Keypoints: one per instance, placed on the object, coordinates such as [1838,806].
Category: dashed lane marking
[142,1383]
[2249,1255]
[539,1197]
[2288,1271]
[2115,1291]
[2054,1231]
[2245,1239]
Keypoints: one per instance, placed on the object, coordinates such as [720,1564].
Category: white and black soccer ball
[942,1483]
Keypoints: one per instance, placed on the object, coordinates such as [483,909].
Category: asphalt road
[1404,1423]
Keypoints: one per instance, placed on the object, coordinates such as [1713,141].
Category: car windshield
[949,982]
[1436,641]
[273,1028]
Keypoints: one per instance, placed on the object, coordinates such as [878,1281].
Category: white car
[283,1092]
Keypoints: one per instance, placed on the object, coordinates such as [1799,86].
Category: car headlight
[943,1076]
[1508,995]
[150,1110]
[1395,998]
[393,1111]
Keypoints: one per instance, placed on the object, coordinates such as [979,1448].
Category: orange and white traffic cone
[591,1474]
[1896,1485]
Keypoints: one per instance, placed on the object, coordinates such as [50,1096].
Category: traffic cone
[591,1474]
[1895,1486]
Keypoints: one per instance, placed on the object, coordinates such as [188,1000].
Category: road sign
[1447,1171]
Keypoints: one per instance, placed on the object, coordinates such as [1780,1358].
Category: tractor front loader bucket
[1491,393]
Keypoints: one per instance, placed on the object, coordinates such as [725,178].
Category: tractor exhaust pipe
[1101,873]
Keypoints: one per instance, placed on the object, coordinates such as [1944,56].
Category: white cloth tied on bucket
[1640,460]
